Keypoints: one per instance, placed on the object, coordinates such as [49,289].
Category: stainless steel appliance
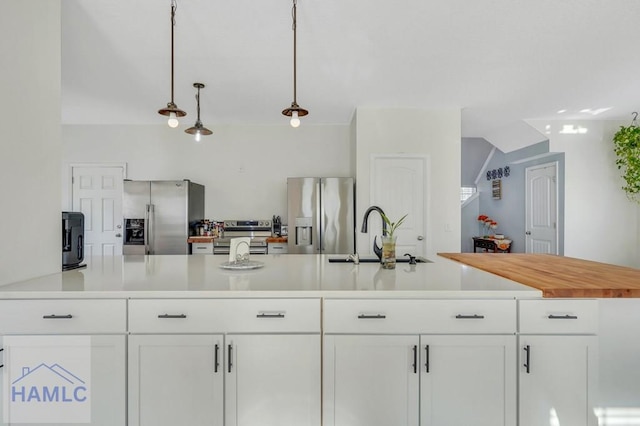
[257,230]
[72,240]
[321,215]
[158,215]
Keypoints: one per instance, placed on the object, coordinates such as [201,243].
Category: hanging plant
[627,148]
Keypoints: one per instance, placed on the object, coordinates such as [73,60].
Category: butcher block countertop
[557,276]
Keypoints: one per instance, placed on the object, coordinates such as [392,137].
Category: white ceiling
[500,61]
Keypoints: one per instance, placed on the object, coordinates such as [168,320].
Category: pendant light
[172,111]
[198,129]
[294,111]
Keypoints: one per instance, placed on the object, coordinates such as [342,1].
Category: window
[466,192]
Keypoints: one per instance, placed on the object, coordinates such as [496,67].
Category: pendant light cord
[295,60]
[198,104]
[174,6]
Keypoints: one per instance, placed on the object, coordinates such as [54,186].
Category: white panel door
[272,380]
[557,380]
[97,193]
[468,380]
[398,184]
[175,380]
[370,380]
[541,234]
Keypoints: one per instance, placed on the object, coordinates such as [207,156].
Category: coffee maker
[72,240]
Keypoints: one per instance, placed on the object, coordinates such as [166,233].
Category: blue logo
[48,384]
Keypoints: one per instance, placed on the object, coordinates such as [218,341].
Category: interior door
[541,208]
[398,185]
[97,193]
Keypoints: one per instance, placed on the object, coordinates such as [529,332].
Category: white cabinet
[55,368]
[468,380]
[176,379]
[272,380]
[557,362]
[237,362]
[426,362]
[371,380]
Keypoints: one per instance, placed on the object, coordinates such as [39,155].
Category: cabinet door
[468,380]
[371,380]
[43,376]
[175,380]
[272,380]
[557,380]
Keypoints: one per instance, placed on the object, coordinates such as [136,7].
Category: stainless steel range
[257,230]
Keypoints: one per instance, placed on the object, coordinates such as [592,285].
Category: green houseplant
[627,148]
[388,258]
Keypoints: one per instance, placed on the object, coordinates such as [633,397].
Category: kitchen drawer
[558,316]
[224,315]
[63,316]
[420,316]
[201,248]
[277,248]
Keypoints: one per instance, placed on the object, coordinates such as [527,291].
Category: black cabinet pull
[230,354]
[376,316]
[1,365]
[270,315]
[163,316]
[527,361]
[415,359]
[53,316]
[562,316]
[474,316]
[216,362]
[426,358]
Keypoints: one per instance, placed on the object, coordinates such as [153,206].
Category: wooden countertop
[277,239]
[200,239]
[557,276]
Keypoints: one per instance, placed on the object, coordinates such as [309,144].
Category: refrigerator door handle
[146,228]
[319,213]
[152,226]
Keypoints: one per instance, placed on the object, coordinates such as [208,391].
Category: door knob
[420,238]
[118,235]
[528,233]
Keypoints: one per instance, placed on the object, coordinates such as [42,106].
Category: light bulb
[197,135]
[295,121]
[173,120]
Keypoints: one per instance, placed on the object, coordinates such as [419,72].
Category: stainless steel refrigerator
[321,215]
[158,215]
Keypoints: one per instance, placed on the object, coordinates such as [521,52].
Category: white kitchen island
[302,341]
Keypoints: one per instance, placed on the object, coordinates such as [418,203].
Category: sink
[404,259]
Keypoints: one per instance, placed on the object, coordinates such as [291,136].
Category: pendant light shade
[172,111]
[198,129]
[295,111]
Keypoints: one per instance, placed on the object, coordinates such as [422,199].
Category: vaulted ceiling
[500,61]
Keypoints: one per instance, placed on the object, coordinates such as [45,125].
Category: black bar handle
[376,316]
[53,316]
[562,316]
[426,358]
[1,365]
[415,359]
[163,316]
[527,362]
[474,316]
[270,315]
[230,356]
[216,362]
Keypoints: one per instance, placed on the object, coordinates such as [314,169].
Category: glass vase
[388,259]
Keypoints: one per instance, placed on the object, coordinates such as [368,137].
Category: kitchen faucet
[377,250]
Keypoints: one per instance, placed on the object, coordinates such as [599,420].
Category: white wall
[601,224]
[244,168]
[30,222]
[434,133]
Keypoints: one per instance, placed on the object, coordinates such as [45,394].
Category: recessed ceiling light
[562,111]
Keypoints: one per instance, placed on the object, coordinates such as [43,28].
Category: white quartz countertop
[286,275]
